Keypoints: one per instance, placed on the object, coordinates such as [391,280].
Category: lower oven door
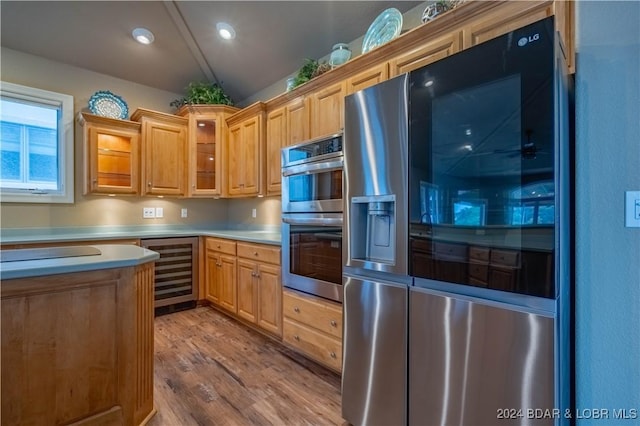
[312,253]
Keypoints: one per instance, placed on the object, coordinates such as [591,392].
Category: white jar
[340,54]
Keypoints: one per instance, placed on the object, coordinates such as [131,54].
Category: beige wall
[267,212]
[29,70]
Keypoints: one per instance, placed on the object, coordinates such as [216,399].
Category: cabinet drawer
[223,246]
[320,347]
[446,251]
[479,253]
[313,312]
[479,271]
[259,252]
[505,257]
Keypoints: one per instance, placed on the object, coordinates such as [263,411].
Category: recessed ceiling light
[226,31]
[143,35]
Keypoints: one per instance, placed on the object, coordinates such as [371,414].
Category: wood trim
[142,113]
[85,118]
[256,108]
[206,110]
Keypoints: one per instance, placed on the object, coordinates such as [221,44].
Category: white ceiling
[273,37]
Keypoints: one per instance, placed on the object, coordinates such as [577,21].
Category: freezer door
[476,364]
[374,371]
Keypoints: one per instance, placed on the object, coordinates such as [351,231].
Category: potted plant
[201,93]
[309,70]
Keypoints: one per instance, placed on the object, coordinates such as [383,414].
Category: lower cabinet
[313,326]
[245,280]
[259,286]
[221,274]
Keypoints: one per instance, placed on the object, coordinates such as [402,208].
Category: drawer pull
[255,253]
[333,355]
[218,246]
[296,337]
[334,323]
[296,309]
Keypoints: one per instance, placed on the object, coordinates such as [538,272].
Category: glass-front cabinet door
[112,155]
[207,131]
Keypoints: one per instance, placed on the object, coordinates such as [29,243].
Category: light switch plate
[632,209]
[148,212]
[159,212]
[183,212]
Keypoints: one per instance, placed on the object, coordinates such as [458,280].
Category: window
[36,145]
[470,212]
[532,205]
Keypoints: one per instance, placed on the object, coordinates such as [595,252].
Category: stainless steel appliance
[457,240]
[312,210]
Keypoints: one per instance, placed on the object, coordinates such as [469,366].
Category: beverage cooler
[457,264]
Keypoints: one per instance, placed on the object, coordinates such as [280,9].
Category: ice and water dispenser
[373,226]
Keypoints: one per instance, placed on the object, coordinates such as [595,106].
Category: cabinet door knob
[296,309]
[257,275]
[255,253]
[253,274]
[333,354]
[149,184]
[334,323]
[218,245]
[297,337]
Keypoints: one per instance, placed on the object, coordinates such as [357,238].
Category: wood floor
[211,370]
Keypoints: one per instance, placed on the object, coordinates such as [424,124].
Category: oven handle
[313,221]
[313,167]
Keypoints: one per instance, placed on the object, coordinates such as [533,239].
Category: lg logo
[524,40]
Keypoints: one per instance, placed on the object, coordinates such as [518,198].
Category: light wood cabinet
[327,110]
[207,134]
[220,272]
[111,155]
[431,51]
[246,146]
[286,125]
[259,286]
[164,151]
[276,140]
[77,348]
[369,77]
[313,326]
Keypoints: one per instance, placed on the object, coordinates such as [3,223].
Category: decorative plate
[107,104]
[384,28]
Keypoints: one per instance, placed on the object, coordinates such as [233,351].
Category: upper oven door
[313,187]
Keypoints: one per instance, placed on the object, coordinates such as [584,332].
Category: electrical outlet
[183,213]
[148,212]
[254,213]
[632,209]
[159,212]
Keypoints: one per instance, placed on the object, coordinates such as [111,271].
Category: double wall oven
[312,217]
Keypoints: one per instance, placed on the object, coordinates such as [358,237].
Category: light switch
[183,213]
[159,212]
[632,209]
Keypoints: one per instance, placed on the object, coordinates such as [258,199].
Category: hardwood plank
[212,370]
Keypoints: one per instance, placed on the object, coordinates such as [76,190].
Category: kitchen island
[77,336]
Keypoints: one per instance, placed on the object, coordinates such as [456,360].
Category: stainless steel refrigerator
[456,249]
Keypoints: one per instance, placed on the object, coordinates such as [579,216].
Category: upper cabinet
[286,125]
[111,155]
[369,77]
[164,148]
[207,134]
[327,110]
[245,154]
[430,51]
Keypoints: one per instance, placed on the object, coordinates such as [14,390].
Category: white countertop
[111,256]
[48,235]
